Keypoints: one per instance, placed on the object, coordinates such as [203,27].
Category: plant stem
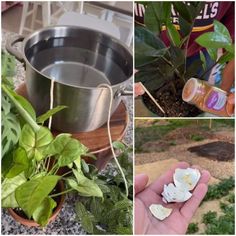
[21,110]
[52,170]
[58,194]
[175,69]
[66,173]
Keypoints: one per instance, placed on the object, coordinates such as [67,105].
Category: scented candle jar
[207,97]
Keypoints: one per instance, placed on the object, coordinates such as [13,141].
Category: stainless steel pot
[78,59]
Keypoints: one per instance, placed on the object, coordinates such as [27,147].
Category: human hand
[230,104]
[228,76]
[138,89]
[178,221]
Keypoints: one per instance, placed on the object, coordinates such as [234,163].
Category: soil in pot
[20,216]
[171,102]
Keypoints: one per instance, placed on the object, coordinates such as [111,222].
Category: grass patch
[192,228]
[223,224]
[219,190]
[156,132]
[196,137]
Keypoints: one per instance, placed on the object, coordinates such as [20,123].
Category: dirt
[184,135]
[171,103]
[220,151]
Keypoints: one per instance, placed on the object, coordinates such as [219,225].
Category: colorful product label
[216,100]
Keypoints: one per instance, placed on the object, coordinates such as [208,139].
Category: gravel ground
[65,222]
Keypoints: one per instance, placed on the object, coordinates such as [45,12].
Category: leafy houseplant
[164,69]
[113,214]
[32,157]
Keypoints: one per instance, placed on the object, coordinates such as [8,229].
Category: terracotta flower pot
[31,223]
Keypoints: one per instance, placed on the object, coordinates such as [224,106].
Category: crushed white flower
[159,211]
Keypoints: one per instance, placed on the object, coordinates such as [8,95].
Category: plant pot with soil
[162,54]
[21,217]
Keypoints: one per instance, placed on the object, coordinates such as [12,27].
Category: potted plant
[31,187]
[164,70]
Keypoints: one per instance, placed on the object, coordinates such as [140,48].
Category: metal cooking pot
[78,59]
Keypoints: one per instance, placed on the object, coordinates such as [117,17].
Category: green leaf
[212,53]
[24,103]
[151,19]
[95,207]
[185,28]
[226,57]
[19,164]
[183,10]
[8,68]
[219,28]
[203,59]
[146,37]
[32,193]
[66,148]
[213,40]
[7,163]
[44,211]
[9,187]
[220,38]
[86,187]
[173,34]
[6,105]
[147,46]
[11,131]
[119,145]
[85,166]
[41,119]
[77,163]
[192,70]
[85,217]
[103,185]
[35,142]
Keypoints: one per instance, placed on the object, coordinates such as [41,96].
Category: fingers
[192,204]
[157,185]
[140,182]
[138,89]
[230,104]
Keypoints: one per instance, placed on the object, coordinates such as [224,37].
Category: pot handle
[127,93]
[123,92]
[10,47]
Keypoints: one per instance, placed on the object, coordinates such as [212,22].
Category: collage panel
[184,176]
[184,58]
[118,117]
[184,68]
[67,118]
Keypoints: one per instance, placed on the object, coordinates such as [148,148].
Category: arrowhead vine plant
[163,69]
[31,156]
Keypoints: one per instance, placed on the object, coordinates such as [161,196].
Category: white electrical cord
[51,102]
[110,138]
